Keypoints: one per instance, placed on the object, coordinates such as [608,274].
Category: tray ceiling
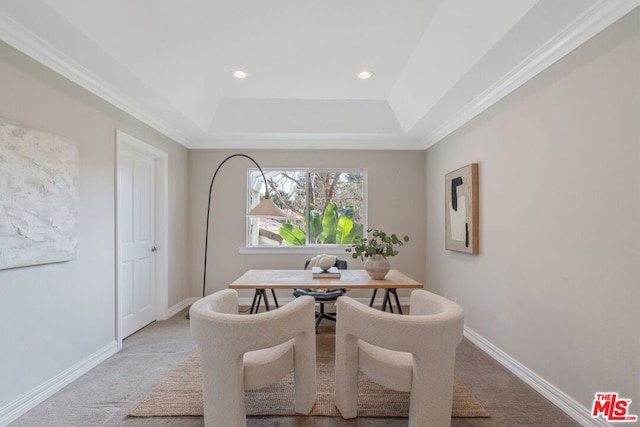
[436,63]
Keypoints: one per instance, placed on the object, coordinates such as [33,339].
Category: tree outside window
[323,207]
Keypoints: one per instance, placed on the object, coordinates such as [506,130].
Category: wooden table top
[291,279]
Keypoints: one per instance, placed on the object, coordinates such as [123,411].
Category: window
[323,207]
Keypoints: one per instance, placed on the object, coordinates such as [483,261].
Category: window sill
[290,250]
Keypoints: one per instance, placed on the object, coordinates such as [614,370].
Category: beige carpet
[180,394]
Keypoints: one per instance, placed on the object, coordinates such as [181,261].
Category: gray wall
[396,204]
[55,316]
[556,283]
[67,310]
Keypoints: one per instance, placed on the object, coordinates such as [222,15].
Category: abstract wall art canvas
[461,209]
[38,202]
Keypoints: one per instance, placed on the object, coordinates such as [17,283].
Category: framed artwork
[461,209]
[38,203]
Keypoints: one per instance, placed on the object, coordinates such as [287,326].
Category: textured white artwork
[38,203]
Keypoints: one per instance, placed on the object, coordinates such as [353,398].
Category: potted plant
[376,250]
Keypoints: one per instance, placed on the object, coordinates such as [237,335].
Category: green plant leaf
[293,236]
[315,222]
[347,211]
[344,235]
[357,232]
[380,243]
[329,223]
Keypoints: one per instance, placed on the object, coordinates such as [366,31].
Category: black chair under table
[323,297]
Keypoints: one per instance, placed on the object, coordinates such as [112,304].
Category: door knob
[154,248]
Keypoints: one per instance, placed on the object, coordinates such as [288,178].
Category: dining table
[263,280]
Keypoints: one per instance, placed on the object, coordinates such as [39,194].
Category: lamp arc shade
[266,209]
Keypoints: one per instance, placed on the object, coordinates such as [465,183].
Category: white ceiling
[436,63]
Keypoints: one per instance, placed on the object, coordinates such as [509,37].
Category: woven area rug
[180,393]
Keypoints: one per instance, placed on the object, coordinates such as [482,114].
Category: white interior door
[136,225]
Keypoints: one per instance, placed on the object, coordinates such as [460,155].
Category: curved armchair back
[413,353]
[216,320]
[252,351]
[434,323]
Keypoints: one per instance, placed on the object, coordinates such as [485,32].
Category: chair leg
[323,315]
[346,373]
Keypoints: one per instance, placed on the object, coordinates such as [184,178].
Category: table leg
[373,297]
[255,302]
[266,301]
[395,294]
[275,300]
[257,299]
[386,301]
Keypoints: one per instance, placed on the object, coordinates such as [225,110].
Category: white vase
[377,266]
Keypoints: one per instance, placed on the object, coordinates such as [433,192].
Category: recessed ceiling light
[239,74]
[364,75]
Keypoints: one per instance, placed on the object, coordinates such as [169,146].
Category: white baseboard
[20,406]
[567,404]
[559,398]
[180,306]
[556,396]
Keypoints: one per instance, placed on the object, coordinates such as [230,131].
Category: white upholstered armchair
[247,352]
[412,353]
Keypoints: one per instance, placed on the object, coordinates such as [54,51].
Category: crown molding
[587,25]
[599,16]
[24,40]
[307,141]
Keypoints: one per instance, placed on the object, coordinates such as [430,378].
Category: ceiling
[436,63]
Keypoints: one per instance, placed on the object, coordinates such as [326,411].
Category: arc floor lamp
[265,209]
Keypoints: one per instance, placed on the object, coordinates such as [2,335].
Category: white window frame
[309,248]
